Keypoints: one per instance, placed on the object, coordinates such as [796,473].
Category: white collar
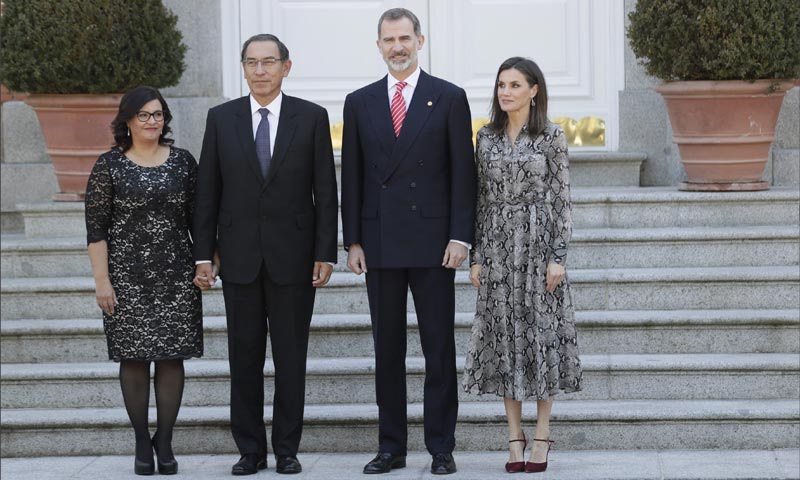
[412,79]
[274,106]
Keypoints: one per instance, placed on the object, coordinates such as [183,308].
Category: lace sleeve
[480,211]
[99,201]
[560,204]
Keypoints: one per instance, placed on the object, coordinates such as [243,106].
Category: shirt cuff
[202,261]
[469,247]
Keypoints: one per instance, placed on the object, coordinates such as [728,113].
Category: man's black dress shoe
[443,464]
[385,462]
[288,465]
[249,464]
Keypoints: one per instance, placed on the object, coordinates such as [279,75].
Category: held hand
[475,273]
[322,273]
[215,266]
[555,275]
[105,296]
[454,255]
[356,261]
[204,276]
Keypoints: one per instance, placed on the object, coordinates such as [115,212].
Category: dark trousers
[434,300]
[285,312]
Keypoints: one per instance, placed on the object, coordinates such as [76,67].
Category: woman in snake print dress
[523,342]
[139,202]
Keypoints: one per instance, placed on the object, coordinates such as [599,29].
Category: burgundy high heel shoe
[516,467]
[533,467]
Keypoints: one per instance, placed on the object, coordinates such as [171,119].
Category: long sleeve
[326,204]
[99,201]
[462,170]
[480,212]
[352,176]
[207,195]
[560,204]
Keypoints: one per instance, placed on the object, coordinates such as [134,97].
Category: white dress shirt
[274,116]
[408,91]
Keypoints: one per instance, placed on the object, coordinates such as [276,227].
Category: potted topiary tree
[76,58]
[727,65]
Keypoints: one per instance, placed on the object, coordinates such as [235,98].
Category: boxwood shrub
[89,46]
[717,39]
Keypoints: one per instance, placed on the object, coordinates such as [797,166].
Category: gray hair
[398,13]
[266,37]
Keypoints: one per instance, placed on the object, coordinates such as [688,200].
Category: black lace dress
[144,213]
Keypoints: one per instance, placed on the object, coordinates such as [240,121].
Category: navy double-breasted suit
[403,200]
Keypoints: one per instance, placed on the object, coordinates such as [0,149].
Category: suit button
[384,186]
[413,185]
[413,208]
[421,164]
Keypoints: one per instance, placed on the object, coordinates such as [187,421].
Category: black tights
[134,378]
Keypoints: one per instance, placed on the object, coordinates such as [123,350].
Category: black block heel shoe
[165,467]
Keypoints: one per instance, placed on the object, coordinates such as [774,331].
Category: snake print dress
[144,213]
[523,343]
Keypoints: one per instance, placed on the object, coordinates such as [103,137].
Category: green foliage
[717,39]
[89,46]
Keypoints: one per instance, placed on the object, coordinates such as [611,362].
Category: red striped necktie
[398,108]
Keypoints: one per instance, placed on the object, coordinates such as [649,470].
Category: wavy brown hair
[537,118]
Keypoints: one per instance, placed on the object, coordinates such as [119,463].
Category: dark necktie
[262,142]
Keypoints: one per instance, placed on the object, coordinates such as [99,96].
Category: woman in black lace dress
[523,343]
[139,202]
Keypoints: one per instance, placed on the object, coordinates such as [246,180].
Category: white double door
[579,45]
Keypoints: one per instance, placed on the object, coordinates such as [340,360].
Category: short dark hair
[266,37]
[129,106]
[398,13]
[537,119]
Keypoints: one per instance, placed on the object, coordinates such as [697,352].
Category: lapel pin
[430,103]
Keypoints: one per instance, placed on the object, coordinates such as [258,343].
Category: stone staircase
[688,317]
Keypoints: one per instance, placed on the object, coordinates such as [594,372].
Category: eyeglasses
[269,62]
[143,116]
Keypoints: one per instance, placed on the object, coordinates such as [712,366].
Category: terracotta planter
[724,130]
[77,129]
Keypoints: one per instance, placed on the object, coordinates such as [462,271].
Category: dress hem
[155,359]
[475,389]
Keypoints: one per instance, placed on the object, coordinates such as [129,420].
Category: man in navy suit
[408,210]
[266,202]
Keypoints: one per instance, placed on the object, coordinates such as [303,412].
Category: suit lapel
[244,129]
[422,103]
[380,115]
[286,128]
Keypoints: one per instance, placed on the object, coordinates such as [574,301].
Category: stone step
[593,207]
[599,332]
[351,380]
[717,464]
[613,289]
[590,248]
[580,425]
